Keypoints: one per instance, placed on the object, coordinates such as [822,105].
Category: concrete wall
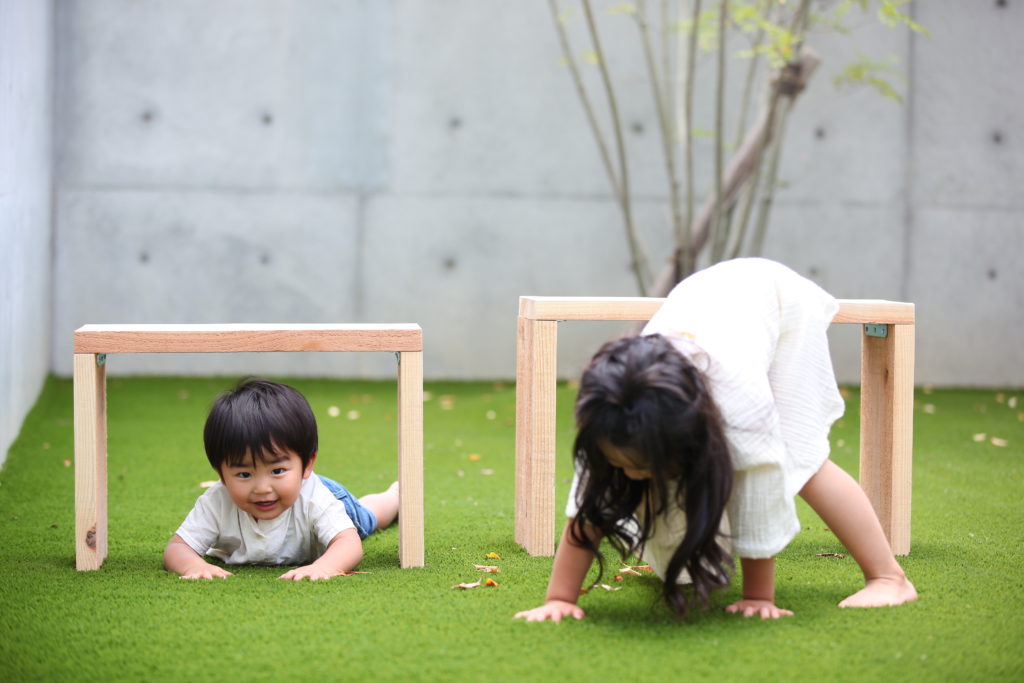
[404,161]
[26,85]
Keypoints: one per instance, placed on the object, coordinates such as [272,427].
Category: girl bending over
[694,438]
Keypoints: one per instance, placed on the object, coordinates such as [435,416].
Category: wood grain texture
[886,430]
[540,509]
[524,397]
[246,337]
[410,459]
[643,308]
[90,407]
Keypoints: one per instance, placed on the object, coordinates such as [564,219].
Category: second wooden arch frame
[887,402]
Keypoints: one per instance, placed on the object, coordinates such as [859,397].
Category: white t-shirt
[756,329]
[299,535]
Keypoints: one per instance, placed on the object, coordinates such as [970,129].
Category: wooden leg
[524,396]
[886,429]
[410,458]
[90,392]
[539,524]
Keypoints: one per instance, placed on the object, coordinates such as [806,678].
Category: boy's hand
[311,572]
[343,554]
[765,608]
[555,610]
[181,559]
[205,571]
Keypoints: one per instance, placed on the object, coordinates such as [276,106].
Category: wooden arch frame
[92,343]
[887,402]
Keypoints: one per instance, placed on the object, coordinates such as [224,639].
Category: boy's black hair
[641,394]
[259,418]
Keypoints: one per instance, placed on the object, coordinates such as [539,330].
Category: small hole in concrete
[997,137]
[637,127]
[267,118]
[1001,3]
[992,274]
[450,263]
[264,259]
[143,257]
[813,271]
[147,116]
[455,123]
[819,132]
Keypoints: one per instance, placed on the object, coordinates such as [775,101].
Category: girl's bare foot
[882,592]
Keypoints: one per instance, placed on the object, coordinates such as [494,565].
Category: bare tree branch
[639,262]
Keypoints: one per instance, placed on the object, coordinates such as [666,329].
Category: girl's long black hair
[641,394]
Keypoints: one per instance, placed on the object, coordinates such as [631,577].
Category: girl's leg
[383,505]
[844,507]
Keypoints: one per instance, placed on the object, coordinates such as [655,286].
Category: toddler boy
[267,508]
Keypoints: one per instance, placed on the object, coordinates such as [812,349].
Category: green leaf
[889,13]
[622,8]
[866,72]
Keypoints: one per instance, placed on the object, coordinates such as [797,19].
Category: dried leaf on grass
[839,555]
[489,568]
[348,573]
[476,584]
[603,586]
[493,556]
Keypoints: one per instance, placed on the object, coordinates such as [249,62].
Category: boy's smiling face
[267,485]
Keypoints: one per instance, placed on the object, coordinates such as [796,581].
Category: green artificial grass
[132,620]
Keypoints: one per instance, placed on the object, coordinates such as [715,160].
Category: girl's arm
[570,568]
[758,590]
[344,553]
[181,559]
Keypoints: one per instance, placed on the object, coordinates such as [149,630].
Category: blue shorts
[362,517]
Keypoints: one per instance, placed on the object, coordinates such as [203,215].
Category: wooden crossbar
[887,396]
[247,337]
[92,343]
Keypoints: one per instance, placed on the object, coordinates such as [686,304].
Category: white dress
[757,331]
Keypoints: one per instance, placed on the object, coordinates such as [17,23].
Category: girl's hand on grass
[765,608]
[205,571]
[311,572]
[555,610]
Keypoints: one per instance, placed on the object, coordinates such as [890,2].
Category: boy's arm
[758,590]
[567,573]
[344,553]
[181,559]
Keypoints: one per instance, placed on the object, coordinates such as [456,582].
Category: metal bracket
[101,359]
[881,331]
